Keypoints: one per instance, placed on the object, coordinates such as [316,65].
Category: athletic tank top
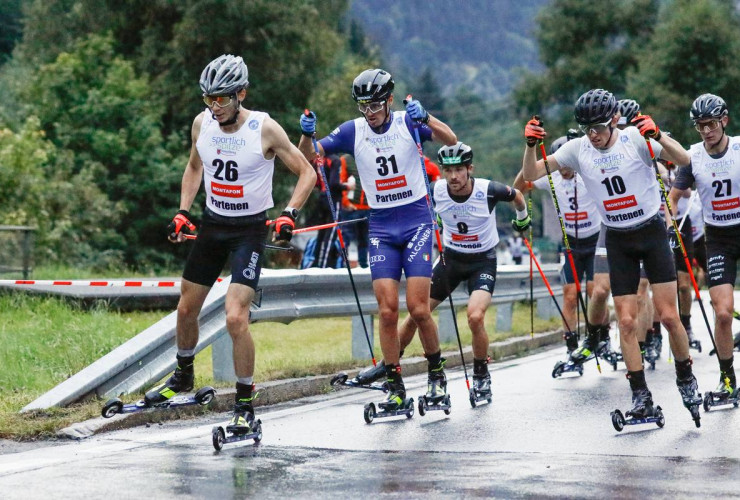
[576,205]
[388,164]
[237,176]
[718,183]
[468,227]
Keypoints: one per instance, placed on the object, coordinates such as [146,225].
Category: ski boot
[736,344]
[481,388]
[571,341]
[578,357]
[693,343]
[180,381]
[115,406]
[436,397]
[241,427]
[642,412]
[689,388]
[726,393]
[363,380]
[647,349]
[395,402]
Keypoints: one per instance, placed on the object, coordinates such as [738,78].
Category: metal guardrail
[287,295]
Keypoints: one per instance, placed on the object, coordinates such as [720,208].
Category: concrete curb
[279,391]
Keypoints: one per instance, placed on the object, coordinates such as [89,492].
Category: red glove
[180,224]
[534,132]
[647,126]
[284,226]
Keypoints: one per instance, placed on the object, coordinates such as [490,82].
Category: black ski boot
[726,392]
[642,404]
[396,396]
[588,348]
[689,390]
[370,374]
[436,383]
[242,422]
[693,343]
[571,341]
[180,381]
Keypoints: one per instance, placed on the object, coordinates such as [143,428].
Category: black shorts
[241,237]
[688,243]
[723,251]
[583,250]
[700,253]
[648,242]
[478,269]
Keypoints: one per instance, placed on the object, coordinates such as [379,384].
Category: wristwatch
[293,212]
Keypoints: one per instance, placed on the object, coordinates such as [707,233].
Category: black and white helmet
[595,106]
[628,108]
[459,154]
[558,143]
[225,75]
[372,85]
[708,106]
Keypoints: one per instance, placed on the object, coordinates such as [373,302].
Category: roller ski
[736,345]
[436,397]
[562,367]
[691,397]
[726,394]
[395,402]
[241,427]
[643,412]
[481,390]
[115,406]
[578,357]
[366,379]
[693,343]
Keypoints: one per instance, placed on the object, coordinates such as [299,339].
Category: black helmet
[572,134]
[595,106]
[558,143]
[372,85]
[459,154]
[708,106]
[628,108]
[225,75]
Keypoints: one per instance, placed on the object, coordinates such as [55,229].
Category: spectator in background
[354,206]
[323,250]
[432,169]
[515,247]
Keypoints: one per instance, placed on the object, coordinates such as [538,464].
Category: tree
[584,45]
[10,26]
[693,52]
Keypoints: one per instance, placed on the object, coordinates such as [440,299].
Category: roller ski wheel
[481,389]
[425,404]
[203,397]
[371,412]
[695,344]
[221,437]
[721,398]
[619,421]
[563,367]
[342,379]
[471,396]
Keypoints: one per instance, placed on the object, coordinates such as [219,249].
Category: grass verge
[43,341]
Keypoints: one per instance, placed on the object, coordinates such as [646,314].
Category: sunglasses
[595,128]
[219,100]
[707,127]
[372,107]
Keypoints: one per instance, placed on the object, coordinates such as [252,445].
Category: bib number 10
[614,185]
[384,162]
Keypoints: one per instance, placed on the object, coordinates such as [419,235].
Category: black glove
[180,223]
[284,226]
[673,239]
[521,225]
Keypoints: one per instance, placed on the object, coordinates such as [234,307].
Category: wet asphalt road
[541,437]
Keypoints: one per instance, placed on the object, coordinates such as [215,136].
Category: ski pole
[547,284]
[565,242]
[268,246]
[417,139]
[321,226]
[322,172]
[680,241]
[531,274]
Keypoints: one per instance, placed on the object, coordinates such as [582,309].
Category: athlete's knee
[388,314]
[627,324]
[420,312]
[237,321]
[476,318]
[723,318]
[186,311]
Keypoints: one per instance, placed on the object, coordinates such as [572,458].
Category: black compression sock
[434,359]
[727,370]
[637,380]
[686,321]
[480,366]
[683,369]
[657,328]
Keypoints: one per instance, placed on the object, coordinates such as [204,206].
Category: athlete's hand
[673,239]
[180,226]
[439,221]
[647,126]
[534,131]
[416,111]
[284,226]
[308,123]
[521,225]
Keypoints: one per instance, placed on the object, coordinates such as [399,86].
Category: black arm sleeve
[499,192]
[684,178]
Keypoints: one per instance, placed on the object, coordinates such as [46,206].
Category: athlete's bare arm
[673,151]
[441,132]
[305,145]
[673,197]
[532,168]
[193,174]
[521,185]
[519,202]
[275,142]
